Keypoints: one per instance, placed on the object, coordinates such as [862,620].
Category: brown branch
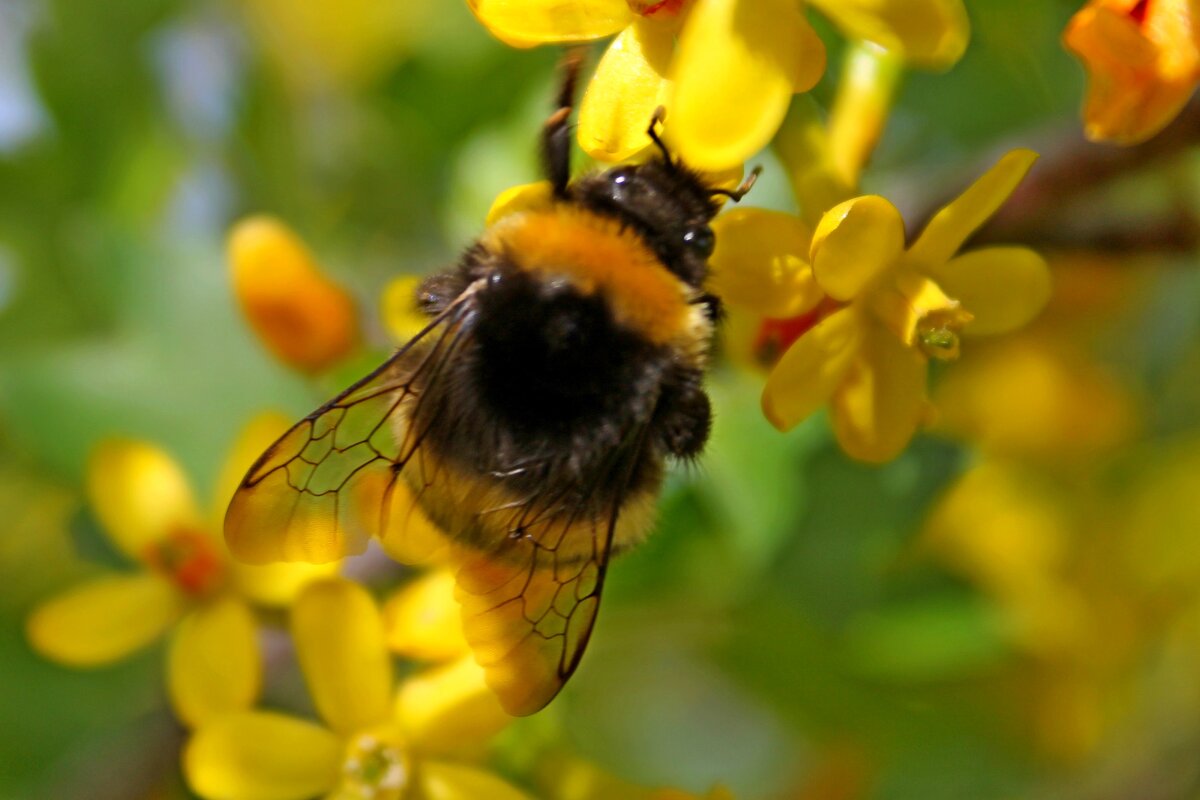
[1044,211]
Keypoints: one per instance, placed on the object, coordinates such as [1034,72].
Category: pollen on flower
[189,558]
[937,333]
[374,769]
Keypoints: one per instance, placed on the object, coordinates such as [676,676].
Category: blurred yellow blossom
[400,312]
[300,315]
[1143,63]
[1008,532]
[378,741]
[1036,397]
[725,70]
[186,580]
[1162,515]
[893,308]
[342,43]
[423,619]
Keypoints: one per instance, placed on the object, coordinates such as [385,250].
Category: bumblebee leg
[556,133]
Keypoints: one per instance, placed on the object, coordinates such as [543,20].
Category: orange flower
[1143,63]
[301,316]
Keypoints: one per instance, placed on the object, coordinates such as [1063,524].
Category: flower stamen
[373,770]
[189,558]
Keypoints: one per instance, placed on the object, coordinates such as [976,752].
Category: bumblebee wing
[328,484]
[529,605]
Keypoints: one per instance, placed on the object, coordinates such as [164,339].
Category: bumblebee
[531,420]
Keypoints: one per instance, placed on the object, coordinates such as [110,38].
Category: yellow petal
[402,316]
[214,666]
[300,315]
[807,374]
[341,649]
[523,23]
[629,84]
[1002,287]
[139,494]
[104,620]
[260,755]
[880,403]
[927,33]
[449,709]
[954,223]
[812,64]
[761,263]
[256,436]
[854,243]
[278,584]
[423,620]
[736,67]
[526,197]
[445,781]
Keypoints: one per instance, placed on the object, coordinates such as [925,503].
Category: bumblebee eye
[700,240]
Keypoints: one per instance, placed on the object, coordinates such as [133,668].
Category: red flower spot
[189,559]
[775,336]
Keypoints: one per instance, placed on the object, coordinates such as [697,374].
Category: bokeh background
[1008,610]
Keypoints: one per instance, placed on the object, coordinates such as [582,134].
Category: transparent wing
[329,483]
[530,603]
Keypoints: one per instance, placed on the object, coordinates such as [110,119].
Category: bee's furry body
[531,420]
[582,332]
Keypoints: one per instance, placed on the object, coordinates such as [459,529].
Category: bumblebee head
[669,205]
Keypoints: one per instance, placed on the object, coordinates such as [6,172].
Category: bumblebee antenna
[737,194]
[656,119]
[556,133]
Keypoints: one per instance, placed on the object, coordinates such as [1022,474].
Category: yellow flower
[931,34]
[893,309]
[186,580]
[725,70]
[306,320]
[1143,63]
[376,742]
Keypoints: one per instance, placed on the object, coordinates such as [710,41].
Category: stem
[870,78]
[803,146]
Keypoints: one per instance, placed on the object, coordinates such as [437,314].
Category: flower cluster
[842,303]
